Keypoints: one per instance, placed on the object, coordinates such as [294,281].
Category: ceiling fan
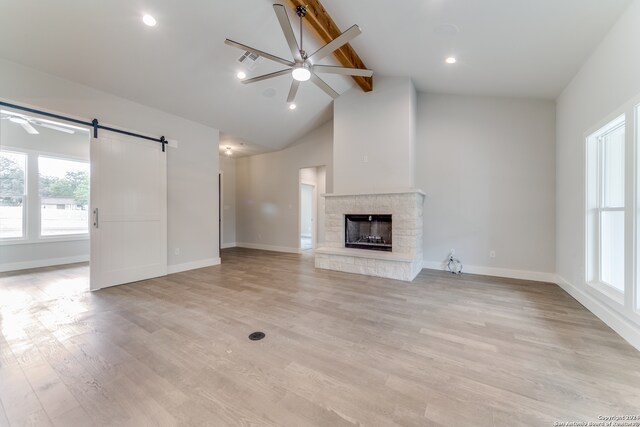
[28,123]
[304,67]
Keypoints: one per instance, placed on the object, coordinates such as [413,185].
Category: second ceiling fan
[28,123]
[304,67]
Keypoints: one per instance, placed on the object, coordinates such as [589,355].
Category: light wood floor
[340,350]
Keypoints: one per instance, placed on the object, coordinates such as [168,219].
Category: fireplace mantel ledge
[377,193]
[363,253]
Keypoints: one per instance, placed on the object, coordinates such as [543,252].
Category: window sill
[608,291]
[52,239]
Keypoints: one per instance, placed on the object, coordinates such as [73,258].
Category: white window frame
[595,208]
[25,198]
[634,294]
[32,221]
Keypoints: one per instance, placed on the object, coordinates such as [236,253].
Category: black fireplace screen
[368,232]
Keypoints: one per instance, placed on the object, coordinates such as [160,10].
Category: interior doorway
[312,183]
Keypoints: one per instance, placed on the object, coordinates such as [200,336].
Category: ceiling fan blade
[267,76]
[283,18]
[259,52]
[295,84]
[322,85]
[30,129]
[335,44]
[54,127]
[342,70]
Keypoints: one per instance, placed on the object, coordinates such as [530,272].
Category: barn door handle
[95,218]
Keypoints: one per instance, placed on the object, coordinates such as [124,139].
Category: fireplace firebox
[371,232]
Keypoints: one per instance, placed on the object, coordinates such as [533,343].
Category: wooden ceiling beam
[321,23]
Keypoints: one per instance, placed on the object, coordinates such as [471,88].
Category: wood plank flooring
[340,350]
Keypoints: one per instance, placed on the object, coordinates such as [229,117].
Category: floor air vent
[256,336]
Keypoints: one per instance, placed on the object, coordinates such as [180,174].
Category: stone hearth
[404,262]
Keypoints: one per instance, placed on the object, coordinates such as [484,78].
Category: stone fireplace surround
[404,262]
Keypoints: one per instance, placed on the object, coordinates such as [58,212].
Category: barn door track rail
[92,124]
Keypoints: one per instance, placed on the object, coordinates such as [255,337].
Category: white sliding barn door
[128,210]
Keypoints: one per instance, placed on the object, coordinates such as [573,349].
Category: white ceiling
[523,48]
[504,47]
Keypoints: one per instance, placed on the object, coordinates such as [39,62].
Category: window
[64,196]
[13,191]
[606,207]
[44,181]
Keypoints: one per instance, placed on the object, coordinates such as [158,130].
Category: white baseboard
[178,268]
[268,247]
[499,272]
[625,327]
[229,245]
[25,265]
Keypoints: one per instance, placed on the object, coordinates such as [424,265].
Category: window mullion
[32,212]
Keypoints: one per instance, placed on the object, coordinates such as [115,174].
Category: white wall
[33,252]
[228,169]
[380,126]
[487,167]
[267,191]
[192,167]
[309,176]
[608,79]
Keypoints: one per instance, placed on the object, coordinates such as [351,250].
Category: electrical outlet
[176,251]
[365,159]
[492,254]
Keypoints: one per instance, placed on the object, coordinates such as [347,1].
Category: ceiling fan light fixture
[303,67]
[241,75]
[292,106]
[228,151]
[301,73]
[451,60]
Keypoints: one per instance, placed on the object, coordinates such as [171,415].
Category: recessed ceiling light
[149,20]
[450,60]
[241,75]
[292,106]
[228,151]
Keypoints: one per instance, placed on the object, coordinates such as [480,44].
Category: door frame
[314,208]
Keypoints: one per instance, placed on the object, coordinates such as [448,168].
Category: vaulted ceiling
[504,47]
